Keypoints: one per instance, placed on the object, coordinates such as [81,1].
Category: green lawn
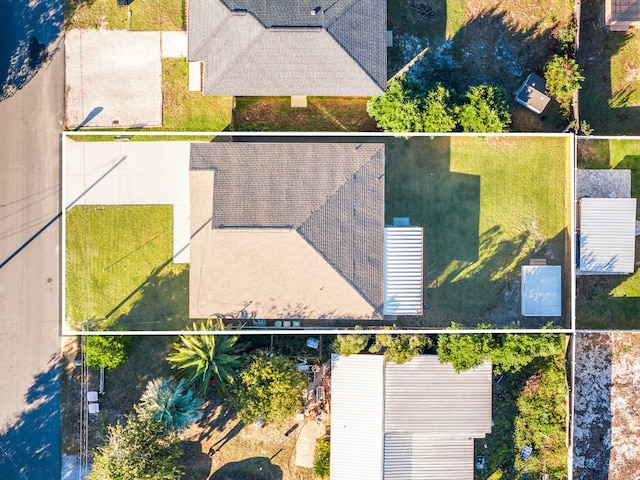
[147,15]
[610,301]
[118,267]
[487,205]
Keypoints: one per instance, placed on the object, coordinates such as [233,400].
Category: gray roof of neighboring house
[253,47]
[625,10]
[331,194]
[532,94]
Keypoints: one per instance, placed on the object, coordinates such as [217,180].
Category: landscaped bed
[610,301]
[610,96]
[119,270]
[487,206]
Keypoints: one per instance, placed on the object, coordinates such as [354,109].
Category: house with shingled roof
[289,48]
[286,230]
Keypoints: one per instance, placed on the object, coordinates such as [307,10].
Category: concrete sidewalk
[132,173]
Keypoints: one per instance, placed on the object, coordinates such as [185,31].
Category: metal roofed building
[606,235]
[430,418]
[622,14]
[286,230]
[541,290]
[290,47]
[403,277]
[533,94]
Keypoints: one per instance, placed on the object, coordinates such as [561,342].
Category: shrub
[106,351]
[398,110]
[322,456]
[170,402]
[399,348]
[438,113]
[486,110]
[351,344]
[563,78]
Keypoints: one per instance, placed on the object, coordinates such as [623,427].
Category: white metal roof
[607,235]
[403,278]
[357,417]
[541,290]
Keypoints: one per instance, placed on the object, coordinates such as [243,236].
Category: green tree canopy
[141,449]
[269,386]
[106,351]
[485,110]
[399,348]
[563,78]
[172,403]
[351,344]
[438,113]
[464,352]
[399,109]
[203,358]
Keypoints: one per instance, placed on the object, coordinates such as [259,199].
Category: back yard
[487,206]
[610,96]
[610,301]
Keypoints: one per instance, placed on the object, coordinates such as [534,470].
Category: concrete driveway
[132,173]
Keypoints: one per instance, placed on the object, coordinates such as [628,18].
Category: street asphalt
[30,126]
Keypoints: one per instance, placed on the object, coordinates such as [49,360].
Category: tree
[106,351]
[399,109]
[172,403]
[202,359]
[438,113]
[350,344]
[486,110]
[563,78]
[399,348]
[462,351]
[140,449]
[269,386]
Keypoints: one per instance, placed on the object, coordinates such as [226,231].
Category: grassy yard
[610,301]
[529,408]
[147,15]
[487,205]
[323,114]
[119,268]
[610,97]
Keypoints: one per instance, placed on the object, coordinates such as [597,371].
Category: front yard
[487,206]
[147,15]
[610,301]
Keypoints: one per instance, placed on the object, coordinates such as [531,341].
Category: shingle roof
[332,194]
[255,47]
[625,10]
[532,94]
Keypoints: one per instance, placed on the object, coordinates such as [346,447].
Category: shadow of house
[30,444]
[28,32]
[607,108]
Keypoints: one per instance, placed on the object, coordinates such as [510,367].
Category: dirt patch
[607,416]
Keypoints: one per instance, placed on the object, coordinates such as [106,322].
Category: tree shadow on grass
[256,468]
[30,444]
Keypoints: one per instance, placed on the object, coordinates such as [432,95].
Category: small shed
[403,278]
[606,235]
[533,94]
[541,290]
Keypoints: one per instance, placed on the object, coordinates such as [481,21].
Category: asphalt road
[30,126]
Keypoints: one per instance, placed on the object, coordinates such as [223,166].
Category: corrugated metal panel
[424,396]
[607,235]
[419,456]
[357,410]
[403,277]
[541,292]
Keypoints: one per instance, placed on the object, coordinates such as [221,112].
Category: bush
[172,403]
[399,348]
[399,109]
[351,344]
[438,113]
[486,110]
[321,465]
[563,78]
[106,351]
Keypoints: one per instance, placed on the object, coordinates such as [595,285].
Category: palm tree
[170,402]
[205,359]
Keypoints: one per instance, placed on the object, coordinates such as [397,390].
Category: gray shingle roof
[255,47]
[332,194]
[625,10]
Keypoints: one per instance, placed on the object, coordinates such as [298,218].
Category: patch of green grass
[610,301]
[139,138]
[456,17]
[625,73]
[119,267]
[486,205]
[145,15]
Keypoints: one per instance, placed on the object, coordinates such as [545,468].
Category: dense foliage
[140,449]
[321,465]
[399,348]
[399,109]
[486,110]
[351,344]
[203,359]
[106,351]
[269,387]
[563,78]
[508,352]
[172,403]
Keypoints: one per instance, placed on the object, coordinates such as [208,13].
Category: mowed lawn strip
[486,205]
[610,301]
[115,256]
[146,15]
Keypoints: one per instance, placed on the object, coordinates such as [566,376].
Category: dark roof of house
[332,194]
[625,10]
[532,94]
[256,47]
